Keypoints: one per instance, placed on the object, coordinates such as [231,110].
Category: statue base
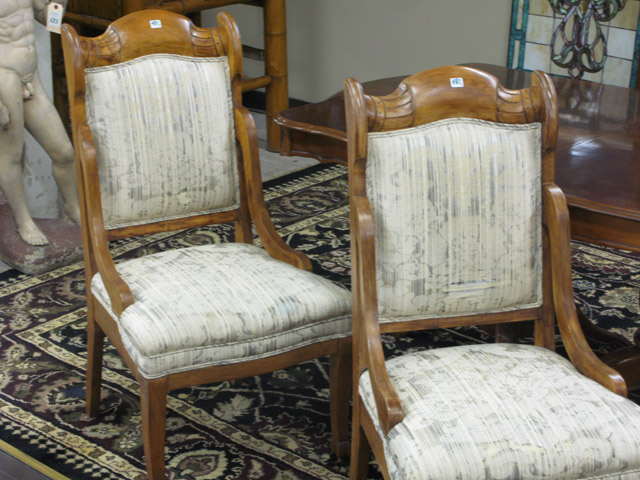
[65,243]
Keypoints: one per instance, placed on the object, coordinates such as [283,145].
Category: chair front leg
[95,347]
[153,409]
[340,394]
[360,449]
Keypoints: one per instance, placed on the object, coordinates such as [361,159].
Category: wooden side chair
[163,143]
[456,221]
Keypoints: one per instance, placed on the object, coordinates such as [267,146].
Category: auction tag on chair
[55,12]
[155,23]
[457,82]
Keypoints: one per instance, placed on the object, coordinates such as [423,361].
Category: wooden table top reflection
[597,157]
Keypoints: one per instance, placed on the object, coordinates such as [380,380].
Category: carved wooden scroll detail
[107,48]
[390,112]
[516,106]
[398,109]
[206,42]
[103,50]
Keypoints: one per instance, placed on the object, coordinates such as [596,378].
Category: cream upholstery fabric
[219,304]
[504,411]
[164,160]
[456,206]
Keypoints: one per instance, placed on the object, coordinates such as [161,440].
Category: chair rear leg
[153,409]
[95,347]
[340,394]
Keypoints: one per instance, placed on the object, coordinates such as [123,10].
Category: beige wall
[329,40]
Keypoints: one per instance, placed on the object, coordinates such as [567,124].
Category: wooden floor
[13,469]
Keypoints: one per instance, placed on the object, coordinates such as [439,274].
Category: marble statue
[25,104]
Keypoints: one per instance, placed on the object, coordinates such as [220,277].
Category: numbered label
[155,23]
[457,82]
[55,12]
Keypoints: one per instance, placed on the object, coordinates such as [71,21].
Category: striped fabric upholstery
[159,155]
[456,206]
[505,411]
[220,304]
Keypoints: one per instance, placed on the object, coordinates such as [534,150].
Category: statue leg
[11,151]
[43,122]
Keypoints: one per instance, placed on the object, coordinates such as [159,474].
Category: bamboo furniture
[456,220]
[162,143]
[91,18]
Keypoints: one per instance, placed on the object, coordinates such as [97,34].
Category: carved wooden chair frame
[125,40]
[420,99]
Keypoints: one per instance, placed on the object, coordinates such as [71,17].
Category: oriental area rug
[274,426]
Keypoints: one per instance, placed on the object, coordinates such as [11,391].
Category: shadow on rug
[274,426]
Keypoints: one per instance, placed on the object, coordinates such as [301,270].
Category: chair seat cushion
[219,304]
[505,411]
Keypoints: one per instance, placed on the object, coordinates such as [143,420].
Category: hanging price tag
[55,12]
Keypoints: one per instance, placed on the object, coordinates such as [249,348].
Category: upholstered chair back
[456,221]
[162,155]
[163,143]
[456,206]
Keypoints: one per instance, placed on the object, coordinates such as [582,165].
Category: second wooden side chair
[455,221]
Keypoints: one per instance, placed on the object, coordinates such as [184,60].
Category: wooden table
[597,165]
[597,160]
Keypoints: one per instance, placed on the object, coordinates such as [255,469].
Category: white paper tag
[55,12]
[155,23]
[457,82]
